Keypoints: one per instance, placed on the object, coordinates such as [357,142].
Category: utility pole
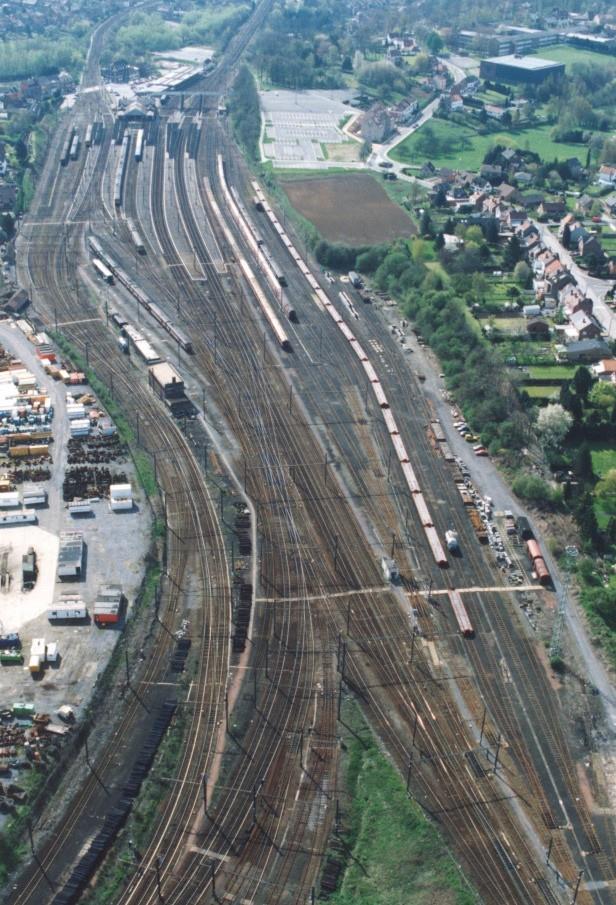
[577,887]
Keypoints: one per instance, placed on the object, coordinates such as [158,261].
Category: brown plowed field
[353,209]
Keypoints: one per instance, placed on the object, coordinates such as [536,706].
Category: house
[567,220]
[527,231]
[584,204]
[606,175]
[376,125]
[573,299]
[585,350]
[605,370]
[538,329]
[552,209]
[494,111]
[590,245]
[514,218]
[508,193]
[492,172]
[456,102]
[477,199]
[18,302]
[542,260]
[582,326]
[427,170]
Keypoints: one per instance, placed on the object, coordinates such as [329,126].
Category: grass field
[563,53]
[541,392]
[552,372]
[396,857]
[603,458]
[462,148]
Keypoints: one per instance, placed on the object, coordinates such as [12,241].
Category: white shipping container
[51,653]
[78,507]
[75,410]
[67,613]
[23,517]
[35,663]
[37,649]
[9,499]
[120,491]
[125,505]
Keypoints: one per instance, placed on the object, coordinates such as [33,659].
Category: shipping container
[459,610]
[9,500]
[121,505]
[11,658]
[67,613]
[23,517]
[21,709]
[34,664]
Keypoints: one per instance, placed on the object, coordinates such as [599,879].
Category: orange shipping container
[18,452]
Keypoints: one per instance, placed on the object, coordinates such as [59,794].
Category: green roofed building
[516,69]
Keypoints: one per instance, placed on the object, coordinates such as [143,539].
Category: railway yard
[322,540]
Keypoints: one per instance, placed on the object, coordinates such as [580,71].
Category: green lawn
[463,148]
[563,53]
[603,458]
[551,372]
[541,392]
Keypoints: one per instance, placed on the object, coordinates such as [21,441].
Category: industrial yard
[328,540]
[79,544]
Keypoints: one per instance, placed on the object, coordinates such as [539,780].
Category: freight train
[118,188]
[273,274]
[144,300]
[425,517]
[538,562]
[280,333]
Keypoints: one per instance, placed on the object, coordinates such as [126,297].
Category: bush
[534,489]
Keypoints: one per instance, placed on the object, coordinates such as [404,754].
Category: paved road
[594,288]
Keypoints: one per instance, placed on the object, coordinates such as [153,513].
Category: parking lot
[298,126]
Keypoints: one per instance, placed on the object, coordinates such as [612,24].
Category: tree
[480,286]
[582,382]
[434,43]
[513,253]
[586,518]
[491,231]
[582,463]
[553,425]
[566,237]
[439,242]
[425,224]
[522,274]
[440,198]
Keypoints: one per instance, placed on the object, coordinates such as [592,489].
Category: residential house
[606,175]
[542,260]
[376,124]
[514,218]
[556,276]
[568,220]
[508,193]
[492,172]
[494,111]
[590,245]
[427,171]
[585,351]
[456,102]
[582,326]
[584,204]
[477,199]
[538,329]
[605,370]
[573,299]
[527,231]
[552,209]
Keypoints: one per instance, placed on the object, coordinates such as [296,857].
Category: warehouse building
[515,69]
[70,557]
[166,382]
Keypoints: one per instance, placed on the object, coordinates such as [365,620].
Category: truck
[478,525]
[355,280]
[451,539]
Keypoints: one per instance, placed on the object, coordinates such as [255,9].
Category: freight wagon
[103,271]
